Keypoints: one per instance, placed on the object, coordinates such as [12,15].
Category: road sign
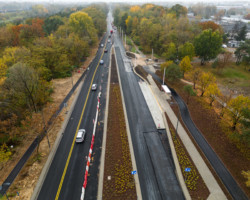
[187,169]
[133,172]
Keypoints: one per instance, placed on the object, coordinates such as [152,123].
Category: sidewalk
[215,191]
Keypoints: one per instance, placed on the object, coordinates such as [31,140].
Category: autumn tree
[195,76]
[171,53]
[187,50]
[212,92]
[205,80]
[211,25]
[185,65]
[179,10]
[189,91]
[99,18]
[236,107]
[82,24]
[23,85]
[208,45]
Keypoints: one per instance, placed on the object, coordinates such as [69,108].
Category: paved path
[152,105]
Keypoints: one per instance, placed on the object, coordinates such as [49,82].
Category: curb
[136,177]
[101,174]
[54,149]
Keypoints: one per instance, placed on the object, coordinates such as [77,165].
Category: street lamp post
[1,186]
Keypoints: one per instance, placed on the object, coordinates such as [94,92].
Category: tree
[99,18]
[185,65]
[205,80]
[179,10]
[223,61]
[218,16]
[166,64]
[190,92]
[236,106]
[171,53]
[173,72]
[186,50]
[129,23]
[245,127]
[246,174]
[83,25]
[208,45]
[195,75]
[211,25]
[212,91]
[241,36]
[243,53]
[52,23]
[23,86]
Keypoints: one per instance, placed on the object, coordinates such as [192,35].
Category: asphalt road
[74,177]
[155,167]
[226,177]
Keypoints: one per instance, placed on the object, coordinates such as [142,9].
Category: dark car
[106,50]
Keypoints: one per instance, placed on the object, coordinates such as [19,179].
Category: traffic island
[118,181]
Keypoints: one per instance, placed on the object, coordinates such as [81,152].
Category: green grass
[235,73]
[133,49]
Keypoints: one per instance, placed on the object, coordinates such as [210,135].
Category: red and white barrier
[90,149]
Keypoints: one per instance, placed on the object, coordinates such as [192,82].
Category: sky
[139,1]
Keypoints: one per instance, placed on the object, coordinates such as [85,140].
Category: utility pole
[152,54]
[164,76]
[122,35]
[125,41]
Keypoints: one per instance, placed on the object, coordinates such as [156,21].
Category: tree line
[37,51]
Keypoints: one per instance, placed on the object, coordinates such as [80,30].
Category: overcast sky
[139,1]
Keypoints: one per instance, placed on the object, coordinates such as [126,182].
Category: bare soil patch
[118,181]
[139,69]
[216,133]
[26,181]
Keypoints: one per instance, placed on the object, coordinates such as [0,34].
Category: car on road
[94,87]
[101,62]
[108,40]
[102,45]
[106,50]
[80,135]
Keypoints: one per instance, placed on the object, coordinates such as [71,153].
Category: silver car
[101,62]
[80,135]
[94,87]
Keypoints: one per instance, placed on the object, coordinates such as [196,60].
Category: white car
[101,62]
[108,40]
[80,135]
[102,45]
[94,87]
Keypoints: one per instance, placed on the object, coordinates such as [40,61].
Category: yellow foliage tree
[236,106]
[205,80]
[3,69]
[246,174]
[135,9]
[212,91]
[195,75]
[186,65]
[5,153]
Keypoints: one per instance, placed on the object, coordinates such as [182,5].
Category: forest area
[33,52]
[192,50]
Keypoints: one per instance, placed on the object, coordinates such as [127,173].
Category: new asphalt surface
[74,177]
[155,167]
[227,179]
